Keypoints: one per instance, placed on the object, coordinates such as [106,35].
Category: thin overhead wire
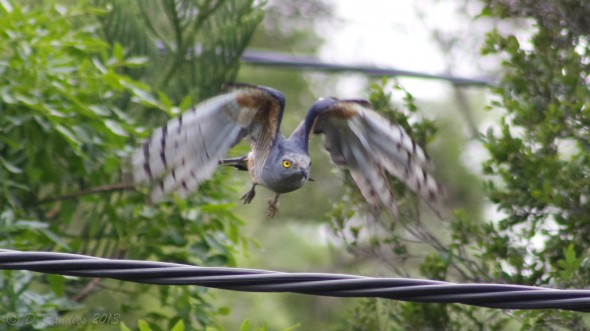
[282,60]
[502,296]
[275,59]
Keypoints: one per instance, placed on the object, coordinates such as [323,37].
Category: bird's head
[288,172]
[295,164]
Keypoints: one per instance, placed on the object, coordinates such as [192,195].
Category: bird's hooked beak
[304,171]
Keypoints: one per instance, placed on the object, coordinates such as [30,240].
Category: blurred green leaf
[57,284]
[143,325]
[570,264]
[8,166]
[179,326]
[115,127]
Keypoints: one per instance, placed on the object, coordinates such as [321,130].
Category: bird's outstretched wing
[186,150]
[370,146]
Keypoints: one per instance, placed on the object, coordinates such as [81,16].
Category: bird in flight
[187,150]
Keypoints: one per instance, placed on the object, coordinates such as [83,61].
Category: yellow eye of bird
[286,163]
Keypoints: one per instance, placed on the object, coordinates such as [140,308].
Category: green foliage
[539,160]
[414,243]
[570,264]
[365,316]
[537,178]
[70,117]
[245,326]
[422,131]
[196,44]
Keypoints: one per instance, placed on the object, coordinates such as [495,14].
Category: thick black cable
[502,296]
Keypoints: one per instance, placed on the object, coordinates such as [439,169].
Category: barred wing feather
[370,146]
[186,150]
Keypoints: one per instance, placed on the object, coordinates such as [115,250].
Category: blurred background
[495,91]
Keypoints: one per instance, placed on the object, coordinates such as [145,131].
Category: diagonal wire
[268,58]
[502,296]
[276,59]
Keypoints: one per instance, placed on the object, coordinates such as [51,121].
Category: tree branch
[93,190]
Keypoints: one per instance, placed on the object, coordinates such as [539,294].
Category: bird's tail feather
[240,163]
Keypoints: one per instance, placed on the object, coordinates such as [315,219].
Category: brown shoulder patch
[343,110]
[248,101]
[268,116]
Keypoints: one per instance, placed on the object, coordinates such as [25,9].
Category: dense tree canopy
[70,116]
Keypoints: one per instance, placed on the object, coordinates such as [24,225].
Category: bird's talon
[273,207]
[247,198]
[272,211]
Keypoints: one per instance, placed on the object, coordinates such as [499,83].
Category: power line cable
[267,58]
[502,296]
[275,59]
